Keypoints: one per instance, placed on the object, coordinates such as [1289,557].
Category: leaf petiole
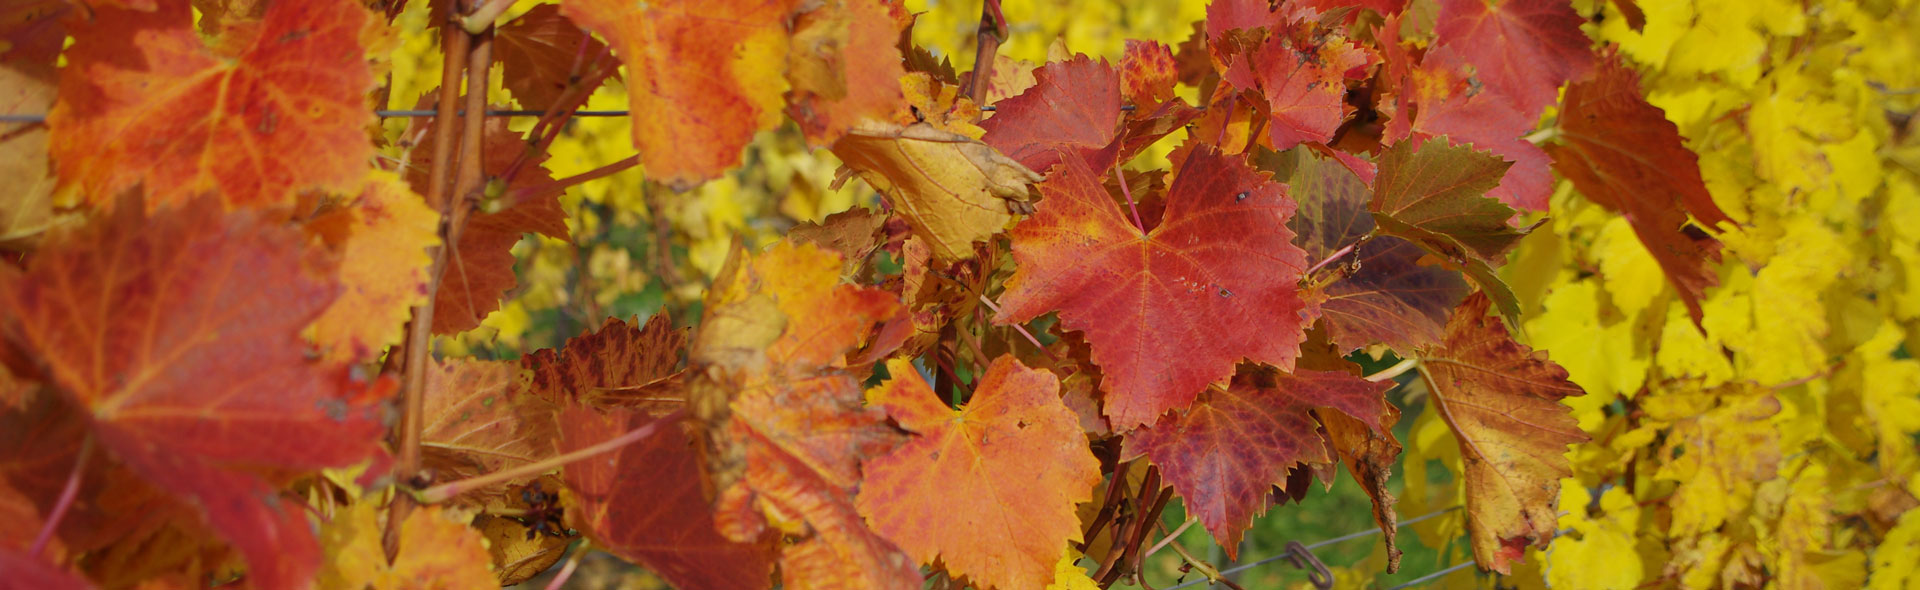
[67,494]
[452,489]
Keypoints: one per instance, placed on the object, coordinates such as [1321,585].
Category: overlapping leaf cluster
[1688,352]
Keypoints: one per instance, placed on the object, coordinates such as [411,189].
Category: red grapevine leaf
[199,369]
[706,73]
[1439,88]
[1502,401]
[1167,312]
[1304,83]
[999,531]
[1225,451]
[1625,155]
[1521,49]
[1392,298]
[143,101]
[480,268]
[617,365]
[1073,109]
[645,504]
[25,571]
[845,67]
[537,52]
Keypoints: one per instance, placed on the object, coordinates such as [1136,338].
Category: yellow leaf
[435,553]
[952,189]
[1607,538]
[1896,562]
[1068,576]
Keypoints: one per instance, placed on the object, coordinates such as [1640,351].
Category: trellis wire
[1316,545]
[403,113]
[1431,576]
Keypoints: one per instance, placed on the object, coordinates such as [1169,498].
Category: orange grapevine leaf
[256,120]
[785,429]
[1073,109]
[845,67]
[947,492]
[645,504]
[618,365]
[199,370]
[1625,155]
[708,75]
[1521,49]
[1172,310]
[383,268]
[1226,450]
[1502,401]
[537,52]
[1148,74]
[29,50]
[1392,298]
[1370,454]
[437,552]
[475,422]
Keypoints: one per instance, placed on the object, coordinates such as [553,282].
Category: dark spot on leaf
[1225,293]
[1240,197]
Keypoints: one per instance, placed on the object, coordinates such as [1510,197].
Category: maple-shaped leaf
[1432,194]
[384,264]
[475,422]
[180,334]
[1520,49]
[40,439]
[263,114]
[1226,450]
[479,268]
[30,43]
[708,74]
[619,364]
[437,551]
[538,51]
[1392,298]
[1301,71]
[1072,110]
[785,429]
[1623,153]
[1171,310]
[645,504]
[1502,401]
[979,519]
[845,67]
[1438,87]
